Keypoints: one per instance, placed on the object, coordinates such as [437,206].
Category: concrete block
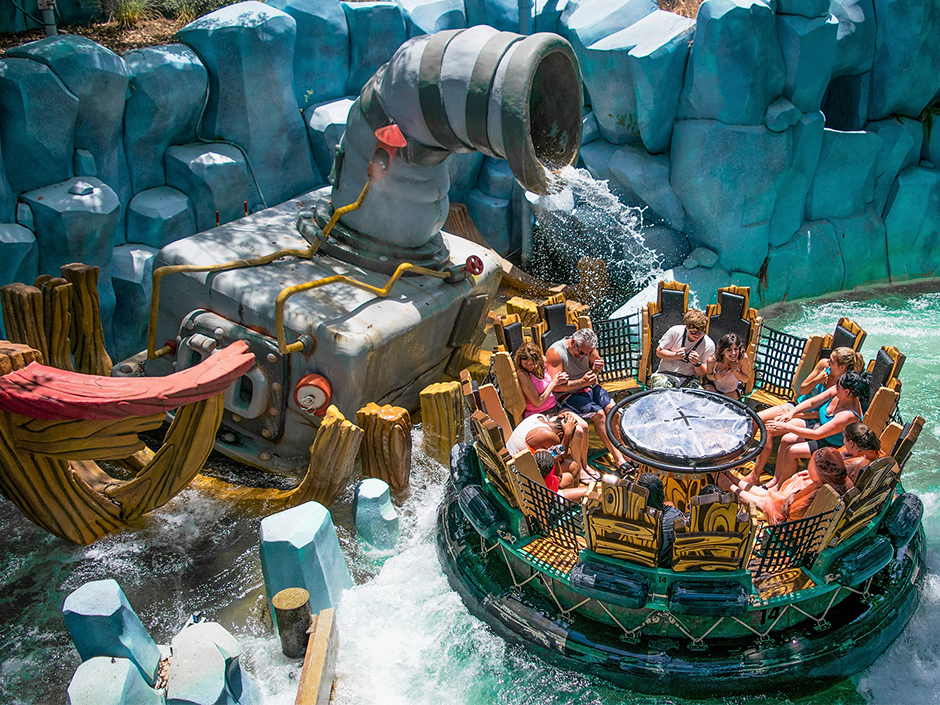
[159,216]
[496,178]
[299,548]
[321,55]
[326,124]
[591,20]
[251,100]
[206,670]
[809,265]
[167,89]
[809,50]
[464,170]
[726,177]
[493,218]
[215,178]
[635,77]
[905,73]
[671,246]
[430,16]
[790,204]
[862,243]
[110,681]
[736,67]
[781,114]
[77,221]
[589,128]
[855,38]
[98,78]
[806,8]
[647,176]
[375,517]
[901,145]
[131,274]
[912,224]
[501,14]
[376,30]
[845,176]
[19,257]
[101,622]
[37,124]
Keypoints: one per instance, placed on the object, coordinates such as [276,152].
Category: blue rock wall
[790,141]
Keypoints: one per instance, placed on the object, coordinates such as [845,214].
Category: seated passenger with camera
[683,351]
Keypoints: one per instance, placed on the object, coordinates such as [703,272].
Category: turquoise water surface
[405,637]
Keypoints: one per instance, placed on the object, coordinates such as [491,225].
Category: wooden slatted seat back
[492,406]
[471,394]
[865,501]
[623,526]
[902,447]
[672,302]
[494,458]
[885,368]
[507,377]
[547,513]
[732,314]
[717,535]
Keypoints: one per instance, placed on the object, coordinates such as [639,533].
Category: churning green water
[405,637]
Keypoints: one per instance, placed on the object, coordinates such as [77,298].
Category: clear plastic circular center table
[688,430]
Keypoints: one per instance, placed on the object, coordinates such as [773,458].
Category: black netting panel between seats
[549,513]
[778,358]
[619,342]
[789,545]
[896,414]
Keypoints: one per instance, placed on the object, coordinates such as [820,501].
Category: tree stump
[57,317]
[386,448]
[528,311]
[442,419]
[23,316]
[292,615]
[332,459]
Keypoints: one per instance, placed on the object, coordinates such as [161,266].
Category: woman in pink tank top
[534,380]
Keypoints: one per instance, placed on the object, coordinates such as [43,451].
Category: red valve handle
[474,265]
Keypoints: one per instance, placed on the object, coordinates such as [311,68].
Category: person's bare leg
[578,447]
[599,420]
[786,460]
[753,477]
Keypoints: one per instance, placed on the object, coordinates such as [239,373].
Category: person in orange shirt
[862,446]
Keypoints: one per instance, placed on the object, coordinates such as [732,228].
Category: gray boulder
[496,178]
[110,681]
[167,90]
[37,124]
[98,78]
[376,30]
[214,176]
[794,184]
[251,97]
[131,277]
[736,67]
[206,669]
[845,175]
[493,218]
[808,46]
[912,224]
[326,123]
[464,170]
[19,257]
[430,16]
[905,72]
[647,176]
[900,148]
[855,39]
[589,21]
[158,216]
[862,242]
[809,265]
[321,56]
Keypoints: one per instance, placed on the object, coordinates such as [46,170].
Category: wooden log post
[57,317]
[23,316]
[386,447]
[86,331]
[528,311]
[292,615]
[442,419]
[319,669]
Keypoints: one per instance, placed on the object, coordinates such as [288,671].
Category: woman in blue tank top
[817,422]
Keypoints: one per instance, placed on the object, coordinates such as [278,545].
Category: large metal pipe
[511,97]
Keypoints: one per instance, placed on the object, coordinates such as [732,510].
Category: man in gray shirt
[578,357]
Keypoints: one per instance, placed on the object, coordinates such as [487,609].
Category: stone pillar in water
[299,548]
[102,623]
[375,517]
[110,681]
